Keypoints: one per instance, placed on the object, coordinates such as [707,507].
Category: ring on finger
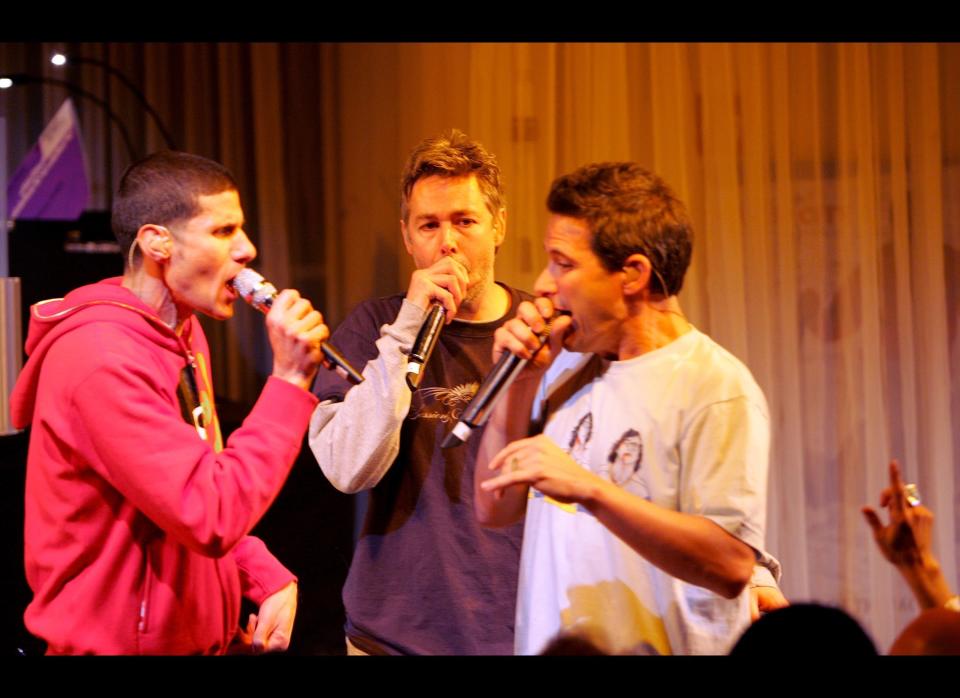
[912,494]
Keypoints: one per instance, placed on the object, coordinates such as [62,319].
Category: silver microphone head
[254,289]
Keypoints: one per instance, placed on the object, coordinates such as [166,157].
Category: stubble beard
[477,291]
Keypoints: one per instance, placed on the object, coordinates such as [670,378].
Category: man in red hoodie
[136,514]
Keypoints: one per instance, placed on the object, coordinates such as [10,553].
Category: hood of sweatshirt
[105,301]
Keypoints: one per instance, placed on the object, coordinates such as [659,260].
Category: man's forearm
[687,546]
[356,441]
[927,582]
[509,421]
[261,574]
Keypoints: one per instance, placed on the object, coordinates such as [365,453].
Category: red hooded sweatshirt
[136,520]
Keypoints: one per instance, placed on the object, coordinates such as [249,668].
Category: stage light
[60,59]
[19,79]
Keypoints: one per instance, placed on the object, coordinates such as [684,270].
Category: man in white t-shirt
[644,487]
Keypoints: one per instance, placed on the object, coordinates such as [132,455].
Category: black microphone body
[424,344]
[260,293]
[494,387]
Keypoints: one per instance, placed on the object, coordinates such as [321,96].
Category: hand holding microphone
[423,345]
[536,335]
[296,331]
[441,288]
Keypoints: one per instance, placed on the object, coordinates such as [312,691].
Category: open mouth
[232,289]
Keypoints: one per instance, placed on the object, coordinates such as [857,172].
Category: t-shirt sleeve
[354,434]
[725,452]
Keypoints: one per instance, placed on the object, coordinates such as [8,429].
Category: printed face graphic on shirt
[625,457]
[623,462]
[579,438]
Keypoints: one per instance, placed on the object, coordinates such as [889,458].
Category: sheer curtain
[822,180]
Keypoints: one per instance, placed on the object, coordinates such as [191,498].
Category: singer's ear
[636,274]
[155,242]
[499,227]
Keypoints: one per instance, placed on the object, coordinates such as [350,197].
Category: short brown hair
[629,210]
[163,189]
[452,155]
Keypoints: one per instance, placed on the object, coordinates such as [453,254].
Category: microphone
[423,346]
[495,386]
[260,293]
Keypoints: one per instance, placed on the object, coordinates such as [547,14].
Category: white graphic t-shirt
[686,427]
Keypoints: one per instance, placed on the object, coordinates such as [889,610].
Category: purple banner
[51,182]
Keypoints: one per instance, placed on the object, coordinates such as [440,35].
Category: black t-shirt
[426,578]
